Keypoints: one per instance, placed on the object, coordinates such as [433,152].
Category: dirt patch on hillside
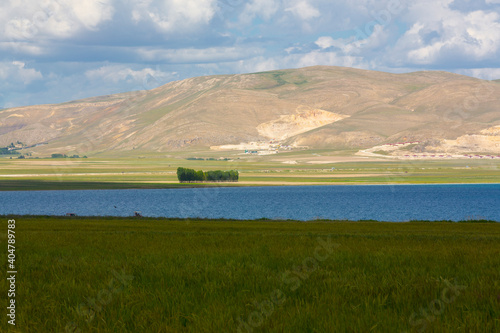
[488,141]
[304,120]
[482,143]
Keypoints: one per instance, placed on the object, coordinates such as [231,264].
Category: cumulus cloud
[439,34]
[101,46]
[29,19]
[91,13]
[146,78]
[355,45]
[175,15]
[264,9]
[326,42]
[482,73]
[303,10]
[16,72]
[329,59]
[296,60]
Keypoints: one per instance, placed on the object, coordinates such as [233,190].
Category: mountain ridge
[315,107]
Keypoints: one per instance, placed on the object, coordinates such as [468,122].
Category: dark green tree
[190,175]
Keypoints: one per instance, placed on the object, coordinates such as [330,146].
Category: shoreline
[215,220]
[99,186]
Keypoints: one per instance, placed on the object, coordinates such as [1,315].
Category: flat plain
[316,167]
[166,275]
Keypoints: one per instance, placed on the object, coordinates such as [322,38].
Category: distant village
[20,146]
[452,156]
[384,150]
[273,147]
[14,149]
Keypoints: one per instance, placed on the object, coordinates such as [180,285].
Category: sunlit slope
[318,107]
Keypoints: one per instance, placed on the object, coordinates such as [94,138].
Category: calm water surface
[379,202]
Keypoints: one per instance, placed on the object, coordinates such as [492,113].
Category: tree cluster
[6,151]
[66,156]
[189,175]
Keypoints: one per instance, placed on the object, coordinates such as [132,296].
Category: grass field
[160,172]
[161,275]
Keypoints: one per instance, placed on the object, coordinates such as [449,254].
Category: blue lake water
[378,202]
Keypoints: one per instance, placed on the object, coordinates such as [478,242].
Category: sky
[52,51]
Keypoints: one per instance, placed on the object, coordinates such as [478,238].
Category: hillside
[314,107]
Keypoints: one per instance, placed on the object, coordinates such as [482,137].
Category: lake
[358,202]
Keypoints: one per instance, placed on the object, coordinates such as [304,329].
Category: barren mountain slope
[316,106]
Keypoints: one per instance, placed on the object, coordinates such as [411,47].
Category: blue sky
[53,51]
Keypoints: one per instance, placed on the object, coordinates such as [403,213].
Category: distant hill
[317,107]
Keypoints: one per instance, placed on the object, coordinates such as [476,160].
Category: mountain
[316,107]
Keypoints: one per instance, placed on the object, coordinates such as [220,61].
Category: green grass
[160,172]
[204,275]
[43,185]
[276,77]
[416,87]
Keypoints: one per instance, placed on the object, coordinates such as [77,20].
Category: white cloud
[298,60]
[482,73]
[16,72]
[146,78]
[355,45]
[22,47]
[303,10]
[439,34]
[247,36]
[265,9]
[315,58]
[257,64]
[91,13]
[192,55]
[30,19]
[175,15]
[326,42]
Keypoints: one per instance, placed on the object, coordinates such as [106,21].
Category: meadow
[153,171]
[168,275]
